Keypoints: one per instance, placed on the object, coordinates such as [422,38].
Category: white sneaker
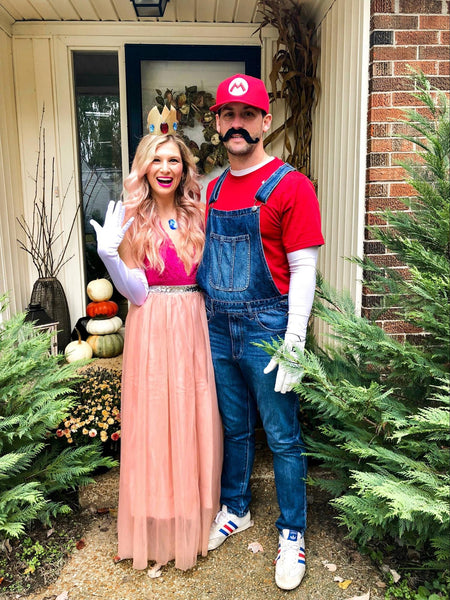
[226,524]
[290,561]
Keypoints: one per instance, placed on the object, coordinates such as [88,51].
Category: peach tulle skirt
[171,446]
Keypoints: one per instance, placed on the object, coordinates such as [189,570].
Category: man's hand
[285,380]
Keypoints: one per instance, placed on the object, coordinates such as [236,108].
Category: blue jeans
[243,390]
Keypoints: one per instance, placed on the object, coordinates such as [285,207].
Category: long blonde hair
[146,235]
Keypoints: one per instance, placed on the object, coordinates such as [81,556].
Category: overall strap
[216,188]
[262,195]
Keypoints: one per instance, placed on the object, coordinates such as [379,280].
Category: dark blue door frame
[135,53]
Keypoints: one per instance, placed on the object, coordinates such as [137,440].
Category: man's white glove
[131,283]
[285,380]
[302,285]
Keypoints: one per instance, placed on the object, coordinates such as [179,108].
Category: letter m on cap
[238,87]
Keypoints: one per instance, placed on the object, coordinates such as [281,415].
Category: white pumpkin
[103,326]
[78,350]
[99,290]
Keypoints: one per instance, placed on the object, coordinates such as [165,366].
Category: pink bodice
[174,272]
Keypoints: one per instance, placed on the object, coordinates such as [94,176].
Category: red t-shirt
[289,221]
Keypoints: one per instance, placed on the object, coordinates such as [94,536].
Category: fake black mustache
[245,134]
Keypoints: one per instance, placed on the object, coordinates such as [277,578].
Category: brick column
[402,33]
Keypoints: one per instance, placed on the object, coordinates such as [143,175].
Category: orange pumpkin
[105,309]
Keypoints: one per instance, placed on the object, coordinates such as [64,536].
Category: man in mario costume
[258,273]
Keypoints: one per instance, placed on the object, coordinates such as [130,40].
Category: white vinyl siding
[339,142]
[13,264]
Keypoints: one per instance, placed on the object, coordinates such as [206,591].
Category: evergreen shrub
[36,393]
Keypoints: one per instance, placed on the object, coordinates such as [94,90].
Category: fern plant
[36,393]
[382,406]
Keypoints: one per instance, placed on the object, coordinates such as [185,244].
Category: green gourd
[106,346]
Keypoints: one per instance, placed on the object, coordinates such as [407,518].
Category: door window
[99,148]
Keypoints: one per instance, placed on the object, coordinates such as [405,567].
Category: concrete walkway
[232,572]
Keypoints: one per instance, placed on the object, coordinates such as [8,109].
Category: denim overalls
[244,306]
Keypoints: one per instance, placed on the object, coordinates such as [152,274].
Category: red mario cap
[242,88]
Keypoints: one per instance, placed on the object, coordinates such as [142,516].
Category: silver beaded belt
[173,289]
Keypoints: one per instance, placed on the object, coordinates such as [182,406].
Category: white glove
[285,381]
[131,283]
[302,284]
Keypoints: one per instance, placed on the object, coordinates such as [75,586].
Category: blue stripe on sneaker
[228,528]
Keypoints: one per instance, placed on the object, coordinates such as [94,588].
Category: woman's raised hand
[110,236]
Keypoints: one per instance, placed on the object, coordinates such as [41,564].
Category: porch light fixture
[149,8]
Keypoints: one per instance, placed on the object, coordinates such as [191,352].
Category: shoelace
[289,553]
[221,517]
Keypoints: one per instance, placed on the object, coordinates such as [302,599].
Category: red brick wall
[402,32]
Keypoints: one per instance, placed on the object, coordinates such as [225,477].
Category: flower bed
[97,414]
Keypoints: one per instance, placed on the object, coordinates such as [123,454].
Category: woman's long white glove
[302,284]
[131,283]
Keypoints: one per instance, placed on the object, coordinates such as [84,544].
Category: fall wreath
[192,108]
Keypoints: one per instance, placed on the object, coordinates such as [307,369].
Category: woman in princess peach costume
[171,447]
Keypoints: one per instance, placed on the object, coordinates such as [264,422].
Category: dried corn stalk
[293,77]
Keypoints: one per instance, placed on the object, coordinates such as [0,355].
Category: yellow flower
[98,410]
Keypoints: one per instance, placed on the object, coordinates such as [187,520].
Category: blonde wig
[146,235]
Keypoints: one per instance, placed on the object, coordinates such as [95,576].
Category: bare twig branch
[42,235]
